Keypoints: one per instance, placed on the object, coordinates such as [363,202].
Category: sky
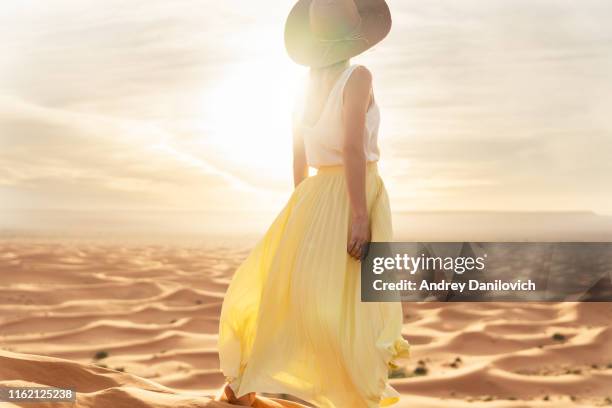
[153,105]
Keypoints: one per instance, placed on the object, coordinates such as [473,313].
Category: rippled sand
[136,325]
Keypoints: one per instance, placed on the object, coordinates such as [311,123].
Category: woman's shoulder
[361,72]
[359,80]
[357,74]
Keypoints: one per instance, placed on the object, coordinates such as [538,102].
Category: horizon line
[474,211]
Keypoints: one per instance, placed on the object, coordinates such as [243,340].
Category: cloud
[494,105]
[56,159]
[498,100]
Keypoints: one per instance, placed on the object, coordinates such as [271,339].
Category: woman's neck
[330,70]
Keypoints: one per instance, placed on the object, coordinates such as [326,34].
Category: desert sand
[135,326]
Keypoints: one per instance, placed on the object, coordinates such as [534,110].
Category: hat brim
[306,49]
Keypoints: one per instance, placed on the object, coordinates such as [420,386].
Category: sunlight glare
[248,116]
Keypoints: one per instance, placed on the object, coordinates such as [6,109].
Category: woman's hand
[359,237]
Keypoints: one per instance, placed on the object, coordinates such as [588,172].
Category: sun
[249,114]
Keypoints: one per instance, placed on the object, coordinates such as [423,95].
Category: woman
[292,321]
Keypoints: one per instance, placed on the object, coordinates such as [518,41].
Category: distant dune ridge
[135,326]
[242,228]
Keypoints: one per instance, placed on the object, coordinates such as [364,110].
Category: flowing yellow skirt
[292,320]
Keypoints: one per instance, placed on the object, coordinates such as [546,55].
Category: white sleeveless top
[324,140]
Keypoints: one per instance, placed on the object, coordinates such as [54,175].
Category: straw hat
[319,33]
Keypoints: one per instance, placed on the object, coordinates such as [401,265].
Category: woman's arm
[357,94]
[300,168]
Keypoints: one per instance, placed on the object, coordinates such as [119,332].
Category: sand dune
[135,326]
[100,387]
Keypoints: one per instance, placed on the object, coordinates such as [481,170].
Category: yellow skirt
[292,320]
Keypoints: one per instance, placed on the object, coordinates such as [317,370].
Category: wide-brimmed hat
[319,33]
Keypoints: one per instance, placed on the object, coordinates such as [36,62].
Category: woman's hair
[324,76]
[319,85]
